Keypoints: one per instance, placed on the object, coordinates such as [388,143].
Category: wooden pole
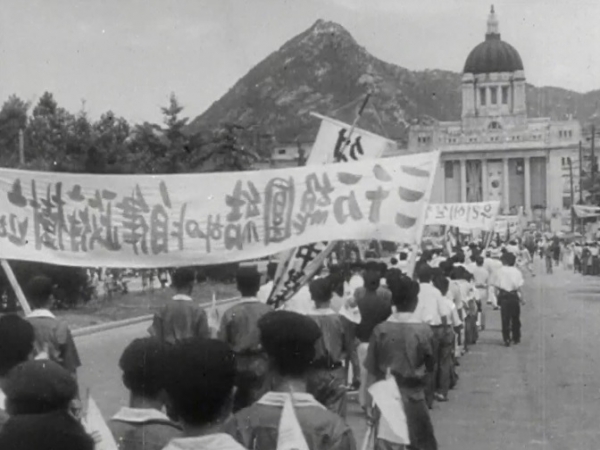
[21,147]
[580,173]
[16,287]
[572,194]
[593,166]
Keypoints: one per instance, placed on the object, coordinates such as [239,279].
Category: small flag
[95,425]
[290,436]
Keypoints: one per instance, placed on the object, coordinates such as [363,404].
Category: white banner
[510,225]
[583,211]
[147,221]
[466,216]
[299,265]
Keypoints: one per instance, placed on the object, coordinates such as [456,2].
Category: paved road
[541,394]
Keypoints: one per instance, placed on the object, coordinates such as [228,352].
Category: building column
[505,189]
[484,180]
[527,181]
[463,180]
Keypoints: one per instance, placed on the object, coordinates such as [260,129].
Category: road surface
[541,394]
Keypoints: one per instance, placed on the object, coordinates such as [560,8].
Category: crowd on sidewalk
[200,383]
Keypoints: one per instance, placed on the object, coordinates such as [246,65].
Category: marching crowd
[197,385]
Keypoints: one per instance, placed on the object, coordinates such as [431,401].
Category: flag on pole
[290,435]
[336,142]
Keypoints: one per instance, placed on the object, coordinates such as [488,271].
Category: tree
[226,153]
[13,119]
[110,142]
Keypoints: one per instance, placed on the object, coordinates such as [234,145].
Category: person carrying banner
[52,335]
[142,425]
[327,379]
[181,318]
[481,279]
[409,363]
[199,385]
[239,328]
[16,346]
[265,289]
[289,340]
[508,282]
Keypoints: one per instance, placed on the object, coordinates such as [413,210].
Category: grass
[135,304]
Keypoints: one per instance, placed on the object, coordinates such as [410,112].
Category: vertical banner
[299,265]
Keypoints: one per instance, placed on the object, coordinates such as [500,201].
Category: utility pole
[21,147]
[580,173]
[572,194]
[593,173]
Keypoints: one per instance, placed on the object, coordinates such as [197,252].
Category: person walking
[508,282]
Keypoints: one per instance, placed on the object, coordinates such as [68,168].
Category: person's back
[239,326]
[374,304]
[181,318]
[258,425]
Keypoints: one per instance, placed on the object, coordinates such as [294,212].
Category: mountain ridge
[325,70]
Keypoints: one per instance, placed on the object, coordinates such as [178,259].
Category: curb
[93,329]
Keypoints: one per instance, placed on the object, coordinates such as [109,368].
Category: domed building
[495,152]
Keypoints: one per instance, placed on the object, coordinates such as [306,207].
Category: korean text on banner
[468,216]
[299,265]
[149,221]
[512,223]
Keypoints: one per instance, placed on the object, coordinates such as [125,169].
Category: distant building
[290,154]
[495,152]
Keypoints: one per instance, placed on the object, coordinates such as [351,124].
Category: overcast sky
[128,55]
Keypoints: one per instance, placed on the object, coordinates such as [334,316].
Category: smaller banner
[466,216]
[508,227]
[584,212]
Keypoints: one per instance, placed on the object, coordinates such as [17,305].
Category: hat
[39,386]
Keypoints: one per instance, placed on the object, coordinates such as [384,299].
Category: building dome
[493,55]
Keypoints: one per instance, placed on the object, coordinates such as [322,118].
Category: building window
[493,95]
[494,126]
[449,169]
[482,96]
[505,95]
[281,151]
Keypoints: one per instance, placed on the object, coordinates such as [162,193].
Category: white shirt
[480,276]
[508,278]
[428,308]
[301,302]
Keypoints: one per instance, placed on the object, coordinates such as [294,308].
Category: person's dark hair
[403,256]
[182,278]
[321,290]
[289,340]
[248,281]
[372,266]
[441,283]
[382,268]
[393,261]
[39,291]
[427,256]
[405,293]
[424,274]
[271,270]
[143,363]
[508,259]
[16,342]
[479,261]
[459,258]
[200,379]
[38,387]
[372,280]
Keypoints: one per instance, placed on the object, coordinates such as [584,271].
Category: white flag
[393,426]
[299,265]
[94,424]
[290,436]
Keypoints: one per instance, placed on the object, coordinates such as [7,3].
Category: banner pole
[16,287]
[421,221]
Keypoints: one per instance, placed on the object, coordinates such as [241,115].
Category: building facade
[495,152]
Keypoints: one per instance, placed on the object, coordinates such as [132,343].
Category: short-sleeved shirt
[54,337]
[429,307]
[401,345]
[180,319]
[257,426]
[374,307]
[508,278]
[239,325]
[480,276]
[333,343]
